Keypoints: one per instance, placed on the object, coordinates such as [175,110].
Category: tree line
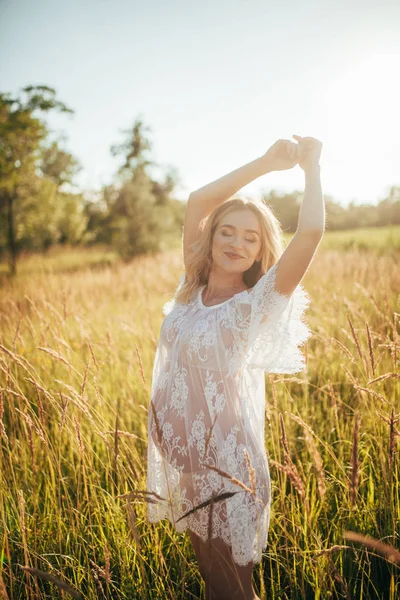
[134,215]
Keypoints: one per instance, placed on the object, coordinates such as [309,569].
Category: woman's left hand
[309,152]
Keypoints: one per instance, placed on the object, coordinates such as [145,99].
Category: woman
[236,314]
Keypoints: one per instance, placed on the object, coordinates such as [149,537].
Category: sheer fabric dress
[208,395]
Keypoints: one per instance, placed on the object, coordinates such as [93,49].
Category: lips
[232,255]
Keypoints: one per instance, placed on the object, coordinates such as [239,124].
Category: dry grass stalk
[107,570]
[21,506]
[360,352]
[338,577]
[41,388]
[251,471]
[273,390]
[122,433]
[395,340]
[116,452]
[353,379]
[64,406]
[19,360]
[232,479]
[76,399]
[358,345]
[79,437]
[84,380]
[385,376]
[290,468]
[136,493]
[334,548]
[58,356]
[386,550]
[32,425]
[92,353]
[343,347]
[209,434]
[96,571]
[60,584]
[17,332]
[3,432]
[140,364]
[371,349]
[309,433]
[373,393]
[219,498]
[354,463]
[392,434]
[3,590]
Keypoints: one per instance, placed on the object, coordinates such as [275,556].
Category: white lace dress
[208,393]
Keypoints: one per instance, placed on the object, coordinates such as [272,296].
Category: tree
[20,136]
[141,211]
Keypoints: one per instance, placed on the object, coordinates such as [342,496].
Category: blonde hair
[198,263]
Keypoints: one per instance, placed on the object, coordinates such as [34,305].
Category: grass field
[78,333]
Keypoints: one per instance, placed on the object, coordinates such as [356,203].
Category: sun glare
[362,102]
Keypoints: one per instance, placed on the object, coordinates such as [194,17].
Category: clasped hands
[285,154]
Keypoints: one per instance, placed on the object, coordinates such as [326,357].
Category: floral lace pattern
[207,410]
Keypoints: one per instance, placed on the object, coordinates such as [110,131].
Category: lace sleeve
[168,306]
[276,328]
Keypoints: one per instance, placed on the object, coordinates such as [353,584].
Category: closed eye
[229,234]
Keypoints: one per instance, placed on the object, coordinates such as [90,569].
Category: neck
[221,283]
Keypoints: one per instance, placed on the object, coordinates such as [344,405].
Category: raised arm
[296,258]
[281,155]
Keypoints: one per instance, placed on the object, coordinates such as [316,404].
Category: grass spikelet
[273,390]
[132,495]
[383,377]
[392,434]
[209,434]
[290,468]
[386,550]
[354,463]
[139,358]
[251,471]
[79,438]
[219,498]
[371,349]
[3,432]
[58,582]
[3,591]
[84,380]
[116,452]
[309,433]
[343,347]
[395,340]
[41,388]
[19,360]
[373,393]
[360,352]
[57,356]
[92,353]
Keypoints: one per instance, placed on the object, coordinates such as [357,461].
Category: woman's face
[238,233]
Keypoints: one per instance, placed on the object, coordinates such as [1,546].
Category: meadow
[78,333]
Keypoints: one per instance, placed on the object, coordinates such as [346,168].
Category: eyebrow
[233,227]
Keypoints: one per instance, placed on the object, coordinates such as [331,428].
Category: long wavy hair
[199,261]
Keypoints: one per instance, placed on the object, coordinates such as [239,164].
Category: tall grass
[76,356]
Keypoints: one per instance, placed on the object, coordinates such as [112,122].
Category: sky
[217,82]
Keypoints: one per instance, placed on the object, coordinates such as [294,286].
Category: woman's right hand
[282,155]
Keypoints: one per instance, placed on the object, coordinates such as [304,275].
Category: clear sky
[218,82]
